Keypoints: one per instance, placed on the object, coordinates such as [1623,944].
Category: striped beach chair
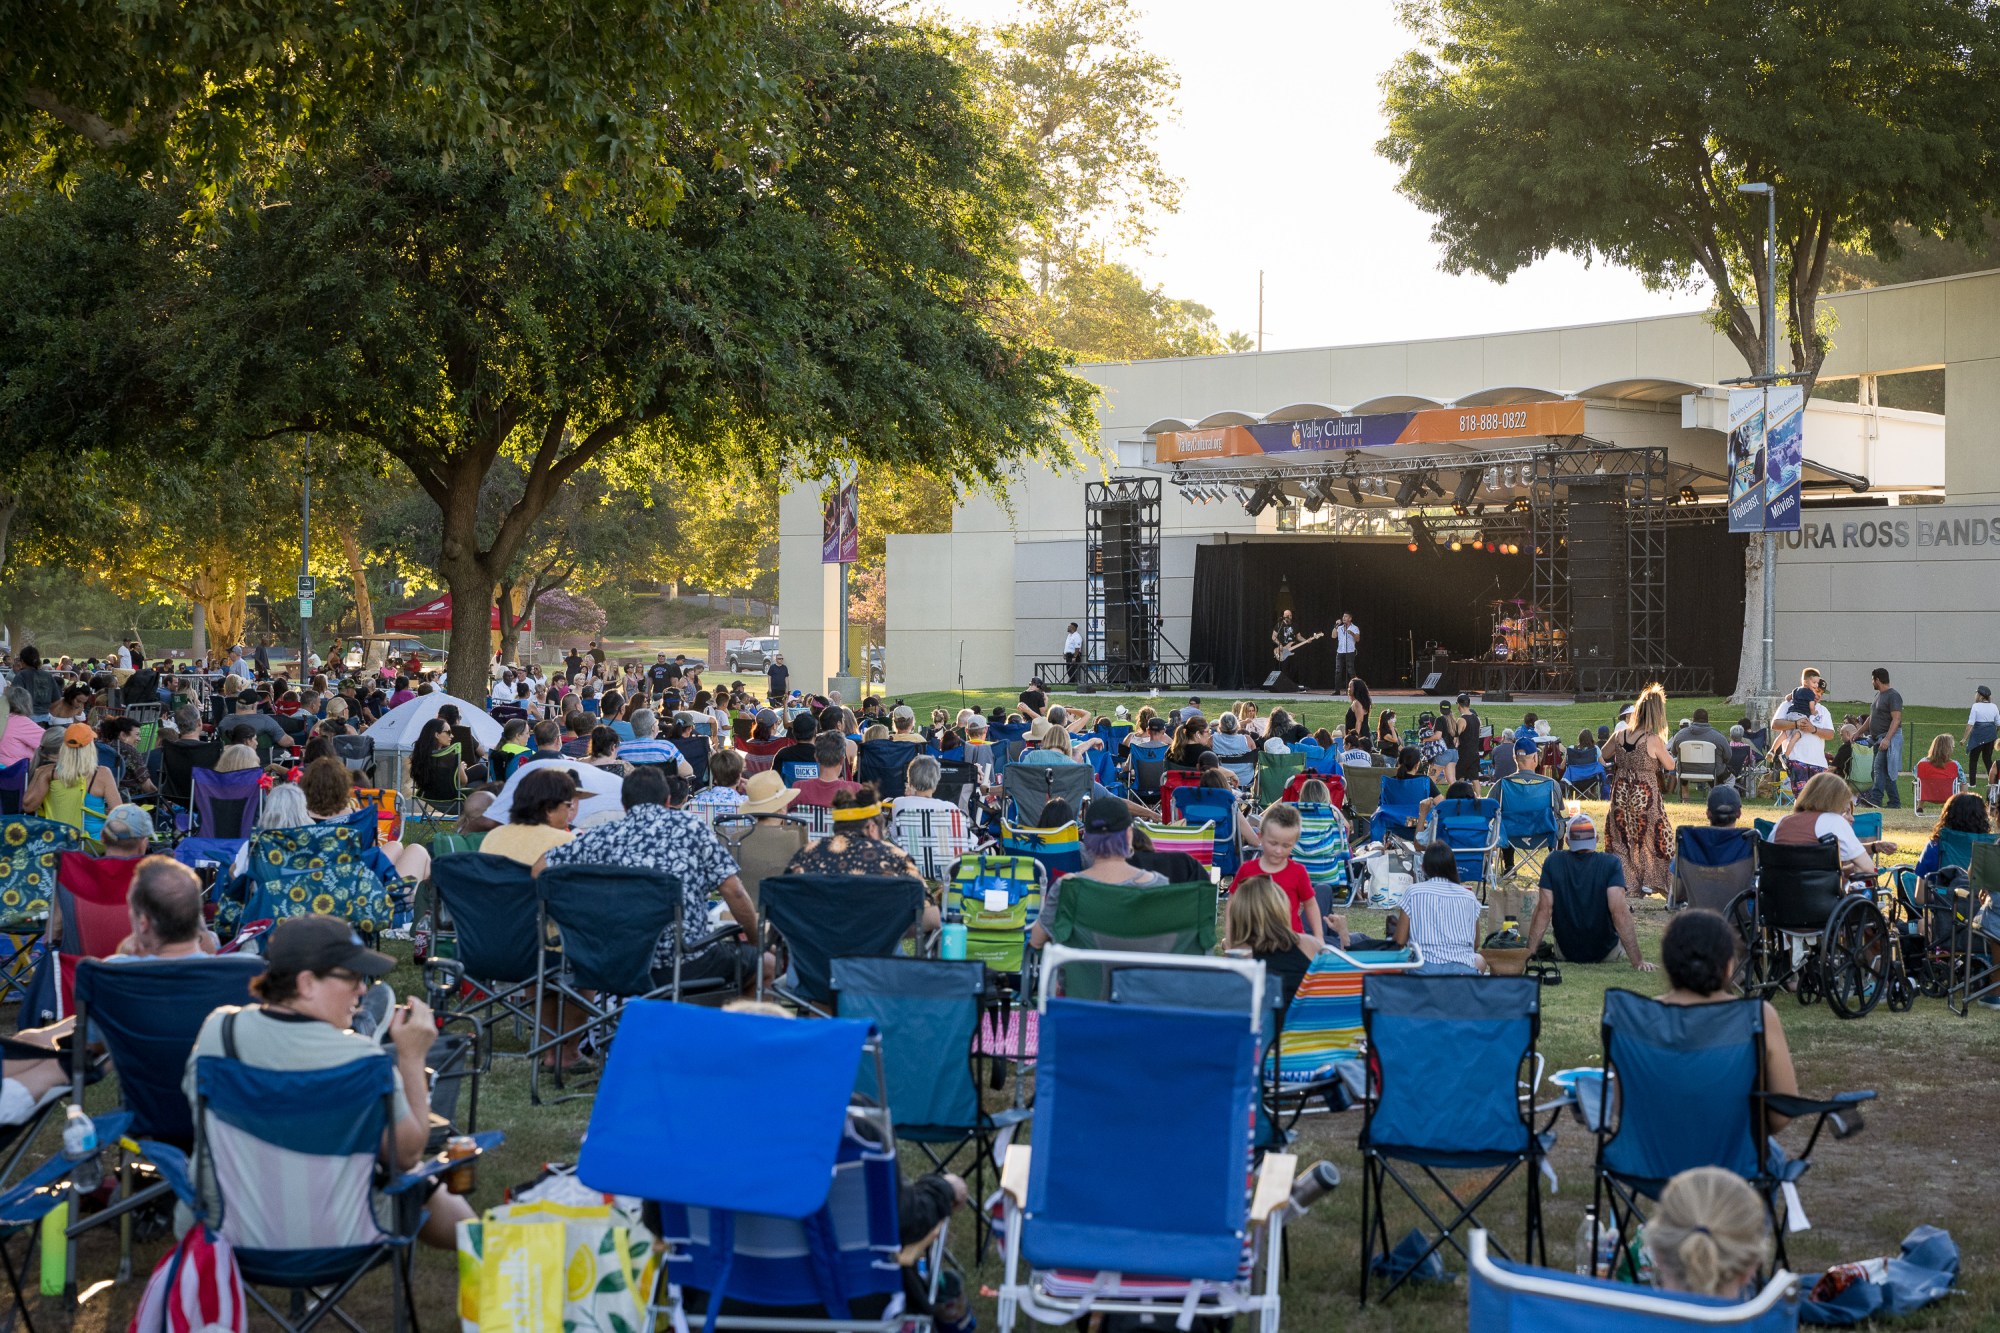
[1322,1032]
[1197,840]
[1059,849]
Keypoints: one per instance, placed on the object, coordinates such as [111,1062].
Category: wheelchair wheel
[1751,972]
[1902,994]
[1856,954]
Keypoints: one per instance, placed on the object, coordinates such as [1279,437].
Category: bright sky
[1279,110]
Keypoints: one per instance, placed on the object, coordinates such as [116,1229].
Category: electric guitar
[1283,652]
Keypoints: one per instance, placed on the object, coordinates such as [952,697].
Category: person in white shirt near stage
[1073,652]
[1346,643]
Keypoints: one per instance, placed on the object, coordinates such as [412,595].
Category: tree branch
[87,123]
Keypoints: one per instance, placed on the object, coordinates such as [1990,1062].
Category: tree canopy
[223,97]
[1620,132]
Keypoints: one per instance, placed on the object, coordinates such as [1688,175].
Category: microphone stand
[961,674]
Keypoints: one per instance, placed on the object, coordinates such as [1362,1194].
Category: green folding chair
[1168,919]
[1273,772]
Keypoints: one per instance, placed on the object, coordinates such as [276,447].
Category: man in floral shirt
[653,837]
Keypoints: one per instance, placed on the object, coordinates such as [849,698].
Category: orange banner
[1438,425]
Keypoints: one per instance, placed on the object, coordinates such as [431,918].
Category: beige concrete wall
[808,592]
[1913,588]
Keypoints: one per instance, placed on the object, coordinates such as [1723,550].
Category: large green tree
[225,96]
[1620,132]
[443,313]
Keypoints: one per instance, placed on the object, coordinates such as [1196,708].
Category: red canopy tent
[433,618]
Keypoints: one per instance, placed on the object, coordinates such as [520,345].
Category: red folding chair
[91,893]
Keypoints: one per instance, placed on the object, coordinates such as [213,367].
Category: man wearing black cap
[1034,700]
[246,715]
[316,971]
[1725,806]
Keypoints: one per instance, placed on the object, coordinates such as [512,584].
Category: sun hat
[1038,729]
[766,794]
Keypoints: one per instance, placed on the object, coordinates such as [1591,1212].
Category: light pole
[1769,684]
[305,557]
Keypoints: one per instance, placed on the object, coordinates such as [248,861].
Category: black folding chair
[823,917]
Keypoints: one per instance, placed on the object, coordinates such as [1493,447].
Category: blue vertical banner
[1746,461]
[1784,454]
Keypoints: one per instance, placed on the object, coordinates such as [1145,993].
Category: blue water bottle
[951,944]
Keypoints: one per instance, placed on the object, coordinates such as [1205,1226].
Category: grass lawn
[1923,1157]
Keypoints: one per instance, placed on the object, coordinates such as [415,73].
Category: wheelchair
[1932,916]
[1802,931]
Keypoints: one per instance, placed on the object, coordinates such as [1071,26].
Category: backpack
[196,1288]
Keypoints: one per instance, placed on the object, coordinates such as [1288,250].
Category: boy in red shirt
[1277,836]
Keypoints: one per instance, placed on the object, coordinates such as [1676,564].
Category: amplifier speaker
[1279,683]
[1598,593]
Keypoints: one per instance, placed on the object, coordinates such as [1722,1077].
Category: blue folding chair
[13,783]
[258,1129]
[1446,1093]
[928,1011]
[1584,772]
[1149,1215]
[28,1201]
[225,804]
[1103,761]
[1510,1298]
[1217,806]
[823,917]
[1711,867]
[1003,737]
[1530,821]
[148,1014]
[1690,1082]
[1058,850]
[798,770]
[1397,812]
[808,1219]
[1472,830]
[886,764]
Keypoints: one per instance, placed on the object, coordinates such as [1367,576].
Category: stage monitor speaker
[1598,591]
[1279,683]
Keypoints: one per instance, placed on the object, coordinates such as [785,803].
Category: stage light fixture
[1420,535]
[1507,475]
[1468,482]
[1459,509]
[1519,505]
[1413,546]
[1261,499]
[1479,509]
[1354,489]
[1688,496]
[1408,490]
[1456,546]
[1493,479]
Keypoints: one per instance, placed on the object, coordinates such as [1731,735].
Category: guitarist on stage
[1284,634]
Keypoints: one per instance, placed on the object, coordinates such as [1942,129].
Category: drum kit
[1516,631]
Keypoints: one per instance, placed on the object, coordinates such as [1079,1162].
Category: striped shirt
[1444,921]
[651,750]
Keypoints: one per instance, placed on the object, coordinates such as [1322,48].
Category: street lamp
[1769,684]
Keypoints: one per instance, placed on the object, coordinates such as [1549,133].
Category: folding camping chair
[1167,1228]
[225,804]
[179,763]
[696,750]
[887,765]
[1273,772]
[1196,840]
[1447,1093]
[1317,1057]
[1711,866]
[1472,830]
[1973,944]
[998,896]
[1148,776]
[148,1014]
[357,752]
[1689,1081]
[813,1221]
[1398,803]
[257,1128]
[1584,773]
[1028,787]
[1216,808]
[1322,850]
[763,846]
[1364,791]
[26,1204]
[958,782]
[1530,821]
[493,911]
[1059,850]
[1169,919]
[1512,1298]
[612,922]
[933,838]
[92,894]
[823,917]
[928,1012]
[324,868]
[13,785]
[29,851]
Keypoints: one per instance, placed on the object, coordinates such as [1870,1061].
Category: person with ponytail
[1698,952]
[1710,1235]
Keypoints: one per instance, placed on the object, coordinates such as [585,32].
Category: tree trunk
[199,642]
[9,503]
[1750,663]
[510,632]
[357,574]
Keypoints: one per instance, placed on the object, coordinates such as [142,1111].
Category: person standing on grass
[1982,729]
[1885,729]
[1637,830]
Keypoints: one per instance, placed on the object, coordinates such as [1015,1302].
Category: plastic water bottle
[1585,1238]
[80,1147]
[951,944]
[1604,1262]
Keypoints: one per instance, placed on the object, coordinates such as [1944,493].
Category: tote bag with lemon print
[538,1267]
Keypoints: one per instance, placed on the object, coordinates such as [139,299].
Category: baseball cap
[1724,801]
[977,722]
[1984,691]
[1156,723]
[1526,741]
[78,735]
[1106,816]
[127,823]
[1582,833]
[320,943]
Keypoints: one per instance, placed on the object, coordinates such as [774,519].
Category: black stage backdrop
[1394,593]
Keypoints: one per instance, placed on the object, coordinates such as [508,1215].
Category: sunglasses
[342,974]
